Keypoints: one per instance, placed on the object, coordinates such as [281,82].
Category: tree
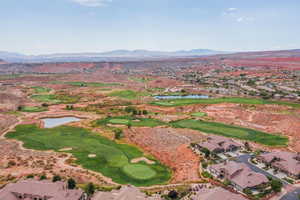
[71,184]
[30,176]
[173,194]
[145,112]
[20,108]
[45,104]
[56,178]
[276,185]
[247,146]
[134,112]
[43,177]
[206,152]
[129,125]
[118,134]
[90,189]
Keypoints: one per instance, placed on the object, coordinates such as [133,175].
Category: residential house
[219,144]
[239,174]
[125,193]
[216,193]
[287,162]
[40,190]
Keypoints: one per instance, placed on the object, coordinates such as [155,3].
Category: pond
[53,122]
[196,96]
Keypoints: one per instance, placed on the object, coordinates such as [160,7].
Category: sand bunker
[92,155]
[66,149]
[146,160]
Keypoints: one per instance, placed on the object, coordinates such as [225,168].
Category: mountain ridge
[103,56]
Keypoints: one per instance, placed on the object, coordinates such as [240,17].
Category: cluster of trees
[69,107]
[134,111]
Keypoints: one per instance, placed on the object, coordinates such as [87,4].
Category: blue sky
[66,26]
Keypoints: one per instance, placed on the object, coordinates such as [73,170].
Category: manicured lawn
[112,159]
[39,89]
[128,94]
[55,99]
[199,114]
[33,109]
[139,171]
[232,131]
[134,121]
[119,121]
[183,102]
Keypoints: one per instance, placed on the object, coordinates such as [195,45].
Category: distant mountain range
[117,55]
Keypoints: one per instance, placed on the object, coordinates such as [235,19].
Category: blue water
[182,97]
[53,122]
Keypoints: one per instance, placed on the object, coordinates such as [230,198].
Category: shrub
[71,184]
[56,178]
[276,185]
[90,189]
[118,134]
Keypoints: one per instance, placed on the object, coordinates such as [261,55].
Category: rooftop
[53,191]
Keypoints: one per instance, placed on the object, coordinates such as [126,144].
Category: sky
[72,26]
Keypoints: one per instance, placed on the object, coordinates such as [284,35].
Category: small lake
[53,122]
[196,96]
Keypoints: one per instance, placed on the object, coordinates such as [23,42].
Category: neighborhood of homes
[245,173]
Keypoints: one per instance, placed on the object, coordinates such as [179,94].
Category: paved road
[294,195]
[245,159]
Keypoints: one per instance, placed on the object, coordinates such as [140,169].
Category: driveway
[245,159]
[294,195]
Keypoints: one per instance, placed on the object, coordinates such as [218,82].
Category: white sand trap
[146,160]
[92,155]
[66,149]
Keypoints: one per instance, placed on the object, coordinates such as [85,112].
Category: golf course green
[232,131]
[111,159]
[133,121]
[238,100]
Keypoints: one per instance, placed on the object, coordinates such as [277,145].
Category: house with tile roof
[216,193]
[286,162]
[239,174]
[219,144]
[40,190]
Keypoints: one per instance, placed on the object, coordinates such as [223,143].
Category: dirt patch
[171,147]
[146,160]
[92,155]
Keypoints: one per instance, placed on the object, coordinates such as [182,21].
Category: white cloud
[232,9]
[244,19]
[92,3]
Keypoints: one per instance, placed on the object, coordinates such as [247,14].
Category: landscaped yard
[183,102]
[112,159]
[134,121]
[232,131]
